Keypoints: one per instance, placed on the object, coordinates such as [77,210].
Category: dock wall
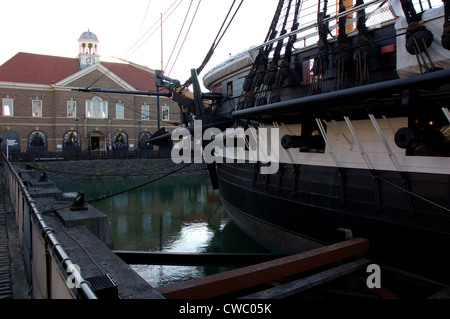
[67,254]
[46,261]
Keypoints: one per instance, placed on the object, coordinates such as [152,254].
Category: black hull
[291,210]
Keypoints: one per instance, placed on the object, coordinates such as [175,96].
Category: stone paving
[13,283]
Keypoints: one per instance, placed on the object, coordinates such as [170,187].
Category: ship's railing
[49,269]
[377,13]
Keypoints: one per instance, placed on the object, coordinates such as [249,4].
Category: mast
[445,39]
[162,71]
[162,55]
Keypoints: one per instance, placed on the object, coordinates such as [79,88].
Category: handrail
[83,290]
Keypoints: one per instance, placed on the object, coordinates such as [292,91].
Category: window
[145,112]
[120,112]
[8,107]
[120,141]
[165,113]
[71,141]
[97,108]
[36,106]
[37,142]
[71,109]
[143,143]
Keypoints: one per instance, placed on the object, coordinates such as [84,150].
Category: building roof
[31,68]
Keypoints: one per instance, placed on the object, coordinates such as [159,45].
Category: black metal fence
[86,155]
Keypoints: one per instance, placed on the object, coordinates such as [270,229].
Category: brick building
[41,111]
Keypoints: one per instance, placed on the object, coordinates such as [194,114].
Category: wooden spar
[149,93]
[193,259]
[309,282]
[341,99]
[235,280]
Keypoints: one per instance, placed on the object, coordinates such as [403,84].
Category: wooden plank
[303,284]
[235,280]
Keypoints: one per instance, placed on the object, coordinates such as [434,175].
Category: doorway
[97,141]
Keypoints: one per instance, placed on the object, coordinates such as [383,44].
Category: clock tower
[88,44]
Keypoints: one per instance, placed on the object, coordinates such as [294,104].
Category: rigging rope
[418,37]
[363,49]
[110,70]
[178,37]
[154,171]
[216,41]
[100,198]
[185,37]
[445,39]
[413,194]
[320,66]
[145,16]
[157,24]
[342,57]
[264,82]
[138,186]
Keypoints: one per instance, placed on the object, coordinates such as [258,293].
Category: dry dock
[58,252]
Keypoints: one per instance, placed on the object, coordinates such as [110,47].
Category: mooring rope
[138,186]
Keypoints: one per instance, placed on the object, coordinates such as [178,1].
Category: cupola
[88,49]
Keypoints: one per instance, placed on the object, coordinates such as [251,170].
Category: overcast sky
[127,29]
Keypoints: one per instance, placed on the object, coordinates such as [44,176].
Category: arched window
[37,142]
[143,143]
[97,108]
[71,141]
[120,141]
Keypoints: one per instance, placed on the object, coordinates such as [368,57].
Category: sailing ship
[359,92]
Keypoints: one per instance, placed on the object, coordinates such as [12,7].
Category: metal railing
[86,155]
[48,267]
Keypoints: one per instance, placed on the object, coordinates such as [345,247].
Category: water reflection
[176,214]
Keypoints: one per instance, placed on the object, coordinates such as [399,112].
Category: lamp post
[139,133]
[78,134]
[157,107]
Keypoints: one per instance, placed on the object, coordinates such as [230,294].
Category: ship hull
[302,208]
[353,151]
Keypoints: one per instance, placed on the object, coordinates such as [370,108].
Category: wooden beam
[193,259]
[308,282]
[235,280]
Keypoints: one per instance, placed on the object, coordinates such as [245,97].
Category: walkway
[13,284]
